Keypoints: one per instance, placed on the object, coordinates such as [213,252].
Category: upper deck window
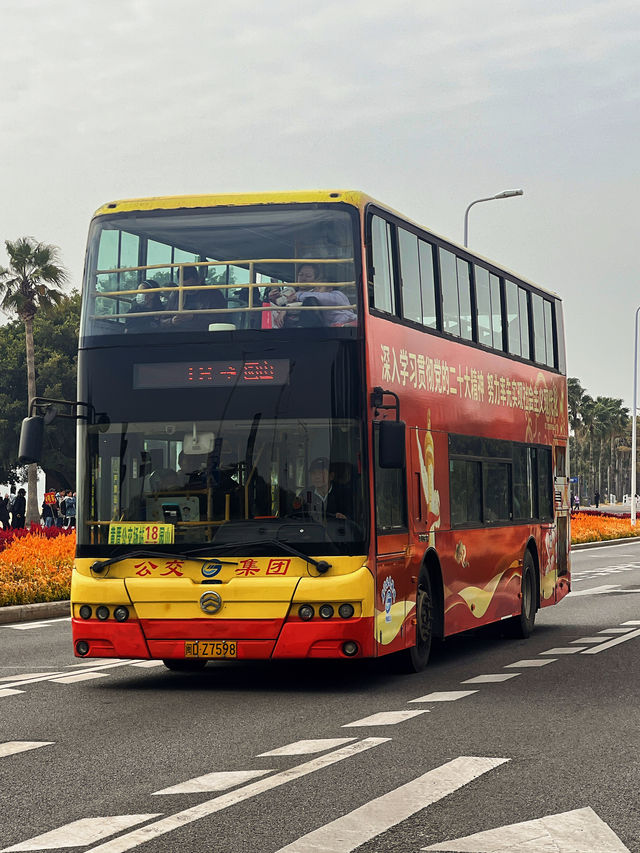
[205,270]
[382,255]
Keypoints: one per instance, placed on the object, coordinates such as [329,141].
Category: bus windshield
[293,480]
[206,270]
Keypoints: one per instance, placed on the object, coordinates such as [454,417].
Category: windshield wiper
[321,566]
[100,565]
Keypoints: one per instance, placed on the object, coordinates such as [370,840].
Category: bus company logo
[388,596]
[210,602]
[210,570]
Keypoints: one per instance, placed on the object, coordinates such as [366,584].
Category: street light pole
[633,422]
[505,194]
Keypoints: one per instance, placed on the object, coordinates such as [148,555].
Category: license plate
[210,649]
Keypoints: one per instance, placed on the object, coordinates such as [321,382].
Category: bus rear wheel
[416,658]
[183,665]
[521,626]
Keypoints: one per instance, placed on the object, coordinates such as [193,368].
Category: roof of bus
[353,197]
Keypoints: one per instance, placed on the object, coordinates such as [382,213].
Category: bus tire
[521,626]
[184,665]
[416,658]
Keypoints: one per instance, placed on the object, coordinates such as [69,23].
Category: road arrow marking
[377,816]
[578,831]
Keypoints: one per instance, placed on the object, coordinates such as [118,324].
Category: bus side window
[382,273]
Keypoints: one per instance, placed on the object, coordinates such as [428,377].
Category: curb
[30,612]
[602,542]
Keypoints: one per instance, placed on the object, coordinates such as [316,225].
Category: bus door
[395,592]
[561,499]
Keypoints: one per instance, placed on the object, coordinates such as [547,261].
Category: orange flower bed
[34,568]
[587,527]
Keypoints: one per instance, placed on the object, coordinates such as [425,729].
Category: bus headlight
[85,612]
[346,611]
[326,611]
[121,614]
[102,613]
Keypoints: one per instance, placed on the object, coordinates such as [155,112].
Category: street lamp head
[509,193]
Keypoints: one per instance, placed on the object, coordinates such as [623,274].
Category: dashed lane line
[81,832]
[231,798]
[526,664]
[385,718]
[307,747]
[594,650]
[11,747]
[444,696]
[491,679]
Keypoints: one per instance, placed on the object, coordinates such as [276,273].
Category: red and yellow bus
[310,428]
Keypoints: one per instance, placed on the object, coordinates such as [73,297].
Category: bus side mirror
[391,448]
[31,435]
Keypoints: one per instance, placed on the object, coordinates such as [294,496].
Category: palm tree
[31,281]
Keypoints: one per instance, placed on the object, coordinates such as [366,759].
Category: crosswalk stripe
[182,818]
[81,832]
[377,816]
[11,747]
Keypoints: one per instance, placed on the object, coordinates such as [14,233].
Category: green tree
[56,331]
[31,282]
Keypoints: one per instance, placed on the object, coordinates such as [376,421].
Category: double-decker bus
[310,428]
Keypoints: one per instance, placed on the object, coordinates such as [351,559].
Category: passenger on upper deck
[320,295]
[196,300]
[144,302]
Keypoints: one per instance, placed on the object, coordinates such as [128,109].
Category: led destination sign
[211,374]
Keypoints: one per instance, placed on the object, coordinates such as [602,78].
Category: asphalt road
[96,756]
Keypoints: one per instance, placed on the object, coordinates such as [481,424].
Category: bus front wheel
[521,626]
[184,665]
[416,658]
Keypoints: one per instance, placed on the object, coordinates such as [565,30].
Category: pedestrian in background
[4,512]
[18,510]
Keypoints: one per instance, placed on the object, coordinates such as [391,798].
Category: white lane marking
[28,626]
[5,691]
[594,650]
[56,674]
[589,640]
[217,781]
[490,679]
[616,630]
[578,831]
[27,675]
[307,747]
[11,747]
[180,819]
[377,816]
[444,696]
[144,664]
[528,663]
[386,718]
[79,676]
[81,832]
[596,590]
[93,662]
[563,650]
[632,622]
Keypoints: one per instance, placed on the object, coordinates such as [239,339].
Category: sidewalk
[30,612]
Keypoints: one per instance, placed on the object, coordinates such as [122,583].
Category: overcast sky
[424,104]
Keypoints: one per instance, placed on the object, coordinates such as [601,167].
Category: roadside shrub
[598,526]
[35,566]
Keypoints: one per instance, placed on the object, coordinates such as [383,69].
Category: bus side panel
[482,572]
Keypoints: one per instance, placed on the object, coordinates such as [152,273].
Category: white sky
[424,104]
